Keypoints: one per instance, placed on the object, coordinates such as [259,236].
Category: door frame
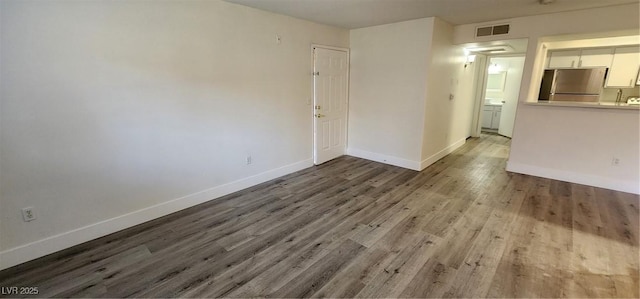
[313,97]
[482,67]
[481,87]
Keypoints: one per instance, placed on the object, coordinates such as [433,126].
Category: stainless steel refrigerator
[573,85]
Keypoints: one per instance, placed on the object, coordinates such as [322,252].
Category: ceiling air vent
[492,30]
[500,29]
[484,31]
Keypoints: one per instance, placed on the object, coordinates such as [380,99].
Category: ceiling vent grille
[492,30]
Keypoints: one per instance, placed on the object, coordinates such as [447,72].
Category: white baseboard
[574,177]
[27,252]
[391,160]
[404,163]
[439,155]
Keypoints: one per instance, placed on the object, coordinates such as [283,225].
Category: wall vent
[492,30]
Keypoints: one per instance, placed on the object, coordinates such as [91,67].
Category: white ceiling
[352,14]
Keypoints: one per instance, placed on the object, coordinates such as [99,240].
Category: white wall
[399,107]
[578,145]
[387,90]
[117,112]
[447,122]
[563,143]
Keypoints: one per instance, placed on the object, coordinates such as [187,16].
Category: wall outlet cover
[28,214]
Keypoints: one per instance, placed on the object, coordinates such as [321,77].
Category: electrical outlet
[28,214]
[615,161]
[249,160]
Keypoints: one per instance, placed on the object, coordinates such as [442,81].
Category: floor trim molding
[30,251]
[441,154]
[574,177]
[386,159]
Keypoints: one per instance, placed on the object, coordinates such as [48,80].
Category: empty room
[320,148]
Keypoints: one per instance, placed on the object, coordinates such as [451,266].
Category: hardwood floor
[463,227]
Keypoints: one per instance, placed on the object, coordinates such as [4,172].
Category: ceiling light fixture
[545,2]
[470,59]
[491,49]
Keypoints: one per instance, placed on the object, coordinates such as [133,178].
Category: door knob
[319,115]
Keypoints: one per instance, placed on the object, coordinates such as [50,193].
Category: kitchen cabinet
[624,67]
[495,121]
[491,116]
[564,59]
[580,58]
[596,57]
[487,117]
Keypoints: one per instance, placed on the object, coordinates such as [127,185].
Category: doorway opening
[498,69]
[501,90]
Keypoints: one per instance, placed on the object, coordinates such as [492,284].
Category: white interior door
[331,76]
[511,93]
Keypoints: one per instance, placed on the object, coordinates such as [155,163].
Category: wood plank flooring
[463,227]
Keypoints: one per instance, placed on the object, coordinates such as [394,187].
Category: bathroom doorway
[501,89]
[498,67]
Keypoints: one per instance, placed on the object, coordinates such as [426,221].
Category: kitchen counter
[597,105]
[493,102]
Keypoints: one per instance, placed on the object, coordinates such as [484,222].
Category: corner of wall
[444,118]
[386,159]
[441,154]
